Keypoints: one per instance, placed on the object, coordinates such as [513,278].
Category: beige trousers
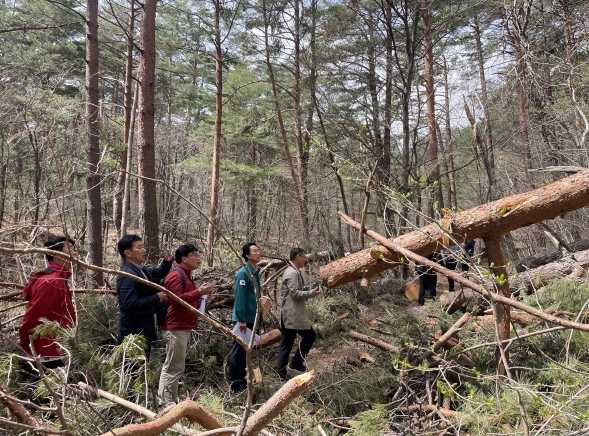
[176,345]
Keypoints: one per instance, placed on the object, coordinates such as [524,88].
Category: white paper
[203,303]
[245,336]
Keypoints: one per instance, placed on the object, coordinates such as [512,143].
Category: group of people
[293,315]
[140,305]
[449,258]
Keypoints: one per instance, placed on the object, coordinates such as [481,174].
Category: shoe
[238,389]
[297,368]
[284,377]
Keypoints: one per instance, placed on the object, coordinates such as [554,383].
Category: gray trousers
[176,345]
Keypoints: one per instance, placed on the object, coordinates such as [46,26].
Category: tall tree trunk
[93,202]
[499,269]
[294,178]
[488,150]
[384,163]
[302,149]
[3,166]
[518,18]
[129,159]
[118,203]
[312,91]
[434,167]
[541,92]
[336,172]
[217,136]
[449,153]
[148,214]
[253,203]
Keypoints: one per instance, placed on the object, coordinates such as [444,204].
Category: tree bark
[186,409]
[118,202]
[436,197]
[488,149]
[372,341]
[93,195]
[213,211]
[148,214]
[267,339]
[573,266]
[546,257]
[449,154]
[302,149]
[495,218]
[498,267]
[277,403]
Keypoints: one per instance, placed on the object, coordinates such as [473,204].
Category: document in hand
[203,303]
[245,336]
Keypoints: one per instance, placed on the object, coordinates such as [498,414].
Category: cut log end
[365,283]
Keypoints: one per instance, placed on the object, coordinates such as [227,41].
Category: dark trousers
[451,264]
[288,338]
[237,365]
[427,282]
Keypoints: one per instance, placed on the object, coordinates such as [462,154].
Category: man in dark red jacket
[179,320]
[48,295]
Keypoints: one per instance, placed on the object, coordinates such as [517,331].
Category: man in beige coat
[293,316]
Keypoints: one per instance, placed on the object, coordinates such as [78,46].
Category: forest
[374,134]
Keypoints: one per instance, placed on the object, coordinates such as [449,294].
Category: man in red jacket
[179,320]
[48,295]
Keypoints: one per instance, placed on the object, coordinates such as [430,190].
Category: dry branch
[495,218]
[442,340]
[370,340]
[143,411]
[11,285]
[25,419]
[186,409]
[429,408]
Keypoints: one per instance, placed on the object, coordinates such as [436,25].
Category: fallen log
[488,220]
[277,403]
[208,420]
[540,259]
[459,278]
[569,265]
[267,339]
[369,340]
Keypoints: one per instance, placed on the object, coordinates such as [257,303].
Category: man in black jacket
[138,302]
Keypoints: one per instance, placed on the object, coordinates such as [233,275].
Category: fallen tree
[572,265]
[487,221]
[537,260]
[500,284]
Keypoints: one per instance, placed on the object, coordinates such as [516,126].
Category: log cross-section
[488,220]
